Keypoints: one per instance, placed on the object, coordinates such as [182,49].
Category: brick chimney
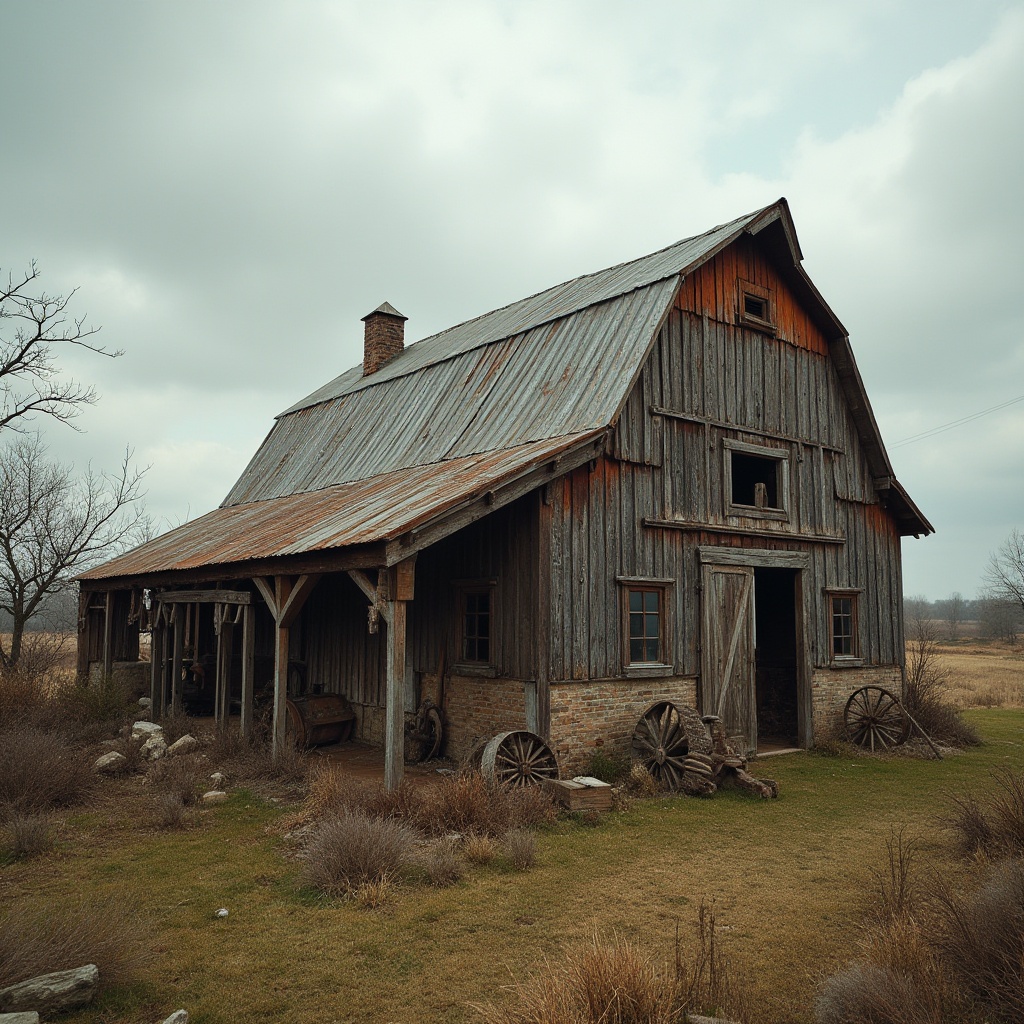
[383,338]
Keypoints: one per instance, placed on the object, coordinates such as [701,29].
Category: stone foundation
[588,717]
[133,675]
[831,689]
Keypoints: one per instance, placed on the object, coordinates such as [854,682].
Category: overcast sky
[232,186]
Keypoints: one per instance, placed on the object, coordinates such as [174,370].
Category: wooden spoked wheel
[660,743]
[426,734]
[518,759]
[875,718]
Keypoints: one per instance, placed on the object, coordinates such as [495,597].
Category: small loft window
[756,480]
[754,307]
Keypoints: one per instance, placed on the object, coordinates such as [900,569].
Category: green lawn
[789,879]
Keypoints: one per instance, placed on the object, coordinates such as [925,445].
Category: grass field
[789,878]
[983,673]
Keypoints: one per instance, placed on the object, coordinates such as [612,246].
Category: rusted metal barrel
[316,720]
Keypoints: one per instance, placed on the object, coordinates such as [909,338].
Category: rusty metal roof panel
[362,512]
[544,307]
[560,378]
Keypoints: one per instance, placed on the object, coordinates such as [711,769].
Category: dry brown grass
[40,770]
[38,939]
[983,673]
[27,835]
[617,982]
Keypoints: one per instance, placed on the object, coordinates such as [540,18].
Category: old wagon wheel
[426,733]
[518,759]
[875,717]
[661,744]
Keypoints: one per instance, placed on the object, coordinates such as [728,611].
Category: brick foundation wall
[601,716]
[475,709]
[831,688]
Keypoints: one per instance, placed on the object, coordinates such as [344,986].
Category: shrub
[618,983]
[442,863]
[176,723]
[102,701]
[40,770]
[479,849]
[867,994]
[981,939]
[131,751]
[997,830]
[609,768]
[29,835]
[169,811]
[467,802]
[520,848]
[180,777]
[348,850]
[38,939]
[641,782]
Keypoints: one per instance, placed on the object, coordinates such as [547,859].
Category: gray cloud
[234,185]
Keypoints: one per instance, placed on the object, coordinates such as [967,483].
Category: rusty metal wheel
[518,759]
[660,743]
[874,718]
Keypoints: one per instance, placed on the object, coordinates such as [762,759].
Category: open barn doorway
[776,668]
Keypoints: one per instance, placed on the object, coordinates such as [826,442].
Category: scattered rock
[155,747]
[52,993]
[215,796]
[218,780]
[145,702]
[142,729]
[183,745]
[178,1017]
[109,764]
[25,1017]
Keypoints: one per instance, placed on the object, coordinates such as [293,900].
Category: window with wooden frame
[475,640]
[842,610]
[754,307]
[645,623]
[756,480]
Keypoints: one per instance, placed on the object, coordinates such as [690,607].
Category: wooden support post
[177,617]
[108,636]
[282,591]
[154,666]
[225,643]
[400,584]
[248,668]
[165,642]
[394,700]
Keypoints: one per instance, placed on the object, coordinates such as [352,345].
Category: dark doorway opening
[775,658]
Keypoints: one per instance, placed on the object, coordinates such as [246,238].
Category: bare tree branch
[32,325]
[54,525]
[1004,577]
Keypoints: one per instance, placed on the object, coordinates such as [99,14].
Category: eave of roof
[379,509]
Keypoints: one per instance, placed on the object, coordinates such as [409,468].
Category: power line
[955,423]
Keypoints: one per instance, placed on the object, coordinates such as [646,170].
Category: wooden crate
[592,795]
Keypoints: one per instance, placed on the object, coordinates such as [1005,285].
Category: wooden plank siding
[723,381]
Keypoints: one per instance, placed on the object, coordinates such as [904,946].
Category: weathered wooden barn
[663,480]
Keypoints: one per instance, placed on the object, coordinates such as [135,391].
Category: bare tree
[955,609]
[55,524]
[33,325]
[1004,577]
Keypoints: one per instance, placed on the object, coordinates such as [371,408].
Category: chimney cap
[385,309]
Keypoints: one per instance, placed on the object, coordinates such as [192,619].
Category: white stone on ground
[215,796]
[109,763]
[155,747]
[183,745]
[142,728]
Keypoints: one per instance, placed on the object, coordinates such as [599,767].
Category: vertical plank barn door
[727,670]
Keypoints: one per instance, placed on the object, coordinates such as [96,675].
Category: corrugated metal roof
[560,378]
[550,304]
[363,512]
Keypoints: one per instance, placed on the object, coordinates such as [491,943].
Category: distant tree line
[997,617]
